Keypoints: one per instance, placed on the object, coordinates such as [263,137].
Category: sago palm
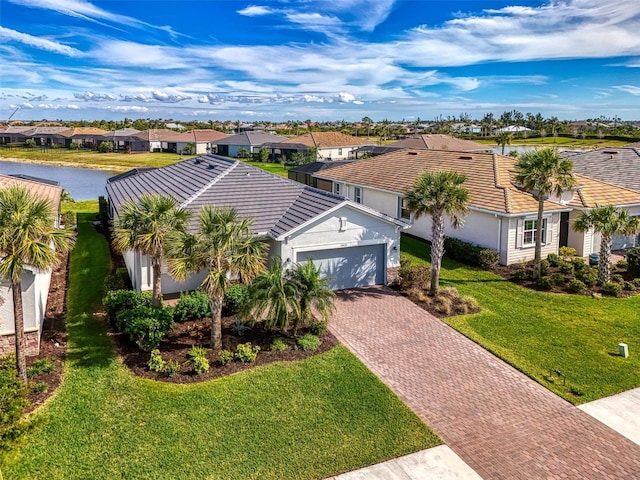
[313,293]
[608,221]
[543,173]
[436,195]
[28,238]
[224,247]
[146,226]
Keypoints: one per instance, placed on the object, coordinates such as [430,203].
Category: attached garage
[349,267]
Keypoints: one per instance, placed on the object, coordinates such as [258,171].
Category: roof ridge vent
[465,157]
[411,152]
[611,152]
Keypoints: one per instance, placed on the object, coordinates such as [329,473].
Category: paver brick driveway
[500,422]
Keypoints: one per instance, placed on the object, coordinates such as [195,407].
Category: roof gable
[328,140]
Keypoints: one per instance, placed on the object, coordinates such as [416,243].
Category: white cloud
[344,97]
[255,11]
[632,89]
[8,34]
[95,96]
[128,108]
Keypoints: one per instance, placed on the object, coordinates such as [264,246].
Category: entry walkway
[501,423]
[621,412]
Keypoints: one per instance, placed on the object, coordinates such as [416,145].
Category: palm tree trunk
[18,315]
[437,250]
[537,259]
[604,266]
[157,282]
[215,304]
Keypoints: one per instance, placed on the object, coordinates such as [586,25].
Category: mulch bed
[183,336]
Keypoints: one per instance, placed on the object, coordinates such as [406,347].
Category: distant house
[203,141]
[353,245]
[46,136]
[35,283]
[502,216]
[329,145]
[435,141]
[251,141]
[306,173]
[120,138]
[14,134]
[85,137]
[151,140]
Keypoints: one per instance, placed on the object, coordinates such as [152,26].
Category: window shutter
[519,232]
[548,232]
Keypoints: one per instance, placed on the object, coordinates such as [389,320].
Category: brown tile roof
[197,136]
[78,131]
[632,145]
[439,141]
[154,134]
[490,179]
[42,190]
[328,139]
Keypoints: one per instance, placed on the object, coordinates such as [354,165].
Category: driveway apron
[500,422]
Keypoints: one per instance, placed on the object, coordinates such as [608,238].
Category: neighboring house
[151,140]
[35,284]
[120,138]
[329,145]
[435,141]
[352,244]
[14,134]
[203,141]
[501,217]
[305,173]
[614,165]
[47,136]
[513,129]
[251,141]
[86,137]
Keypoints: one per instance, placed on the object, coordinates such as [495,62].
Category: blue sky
[318,60]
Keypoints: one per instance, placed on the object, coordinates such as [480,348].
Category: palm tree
[503,139]
[543,172]
[27,237]
[274,294]
[147,226]
[608,221]
[313,293]
[224,247]
[438,194]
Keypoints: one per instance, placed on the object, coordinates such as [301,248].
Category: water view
[81,183]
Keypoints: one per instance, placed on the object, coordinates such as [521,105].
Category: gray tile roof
[318,166]
[275,204]
[618,166]
[249,138]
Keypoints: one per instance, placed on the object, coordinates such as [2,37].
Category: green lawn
[536,331]
[276,168]
[311,419]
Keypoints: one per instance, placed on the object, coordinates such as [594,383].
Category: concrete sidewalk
[438,463]
[620,412]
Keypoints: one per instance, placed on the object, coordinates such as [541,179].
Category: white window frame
[337,188]
[523,232]
[357,194]
[403,208]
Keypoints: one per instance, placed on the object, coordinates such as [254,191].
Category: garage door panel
[349,267]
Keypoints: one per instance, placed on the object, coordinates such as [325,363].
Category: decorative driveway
[500,422]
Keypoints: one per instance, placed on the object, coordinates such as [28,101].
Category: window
[336,188]
[357,194]
[403,211]
[529,232]
[340,152]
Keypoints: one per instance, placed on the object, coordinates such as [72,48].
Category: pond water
[81,183]
[529,148]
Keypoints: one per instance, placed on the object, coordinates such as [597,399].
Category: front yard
[542,334]
[310,419]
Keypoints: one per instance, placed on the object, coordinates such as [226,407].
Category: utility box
[623,350]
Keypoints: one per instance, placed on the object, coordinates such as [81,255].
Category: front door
[564,229]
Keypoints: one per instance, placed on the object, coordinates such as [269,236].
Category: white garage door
[349,267]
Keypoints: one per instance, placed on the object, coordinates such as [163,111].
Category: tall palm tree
[273,294]
[313,293]
[543,172]
[608,221]
[224,247]
[28,237]
[439,194]
[503,139]
[146,226]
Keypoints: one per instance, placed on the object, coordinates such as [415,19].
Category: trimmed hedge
[470,253]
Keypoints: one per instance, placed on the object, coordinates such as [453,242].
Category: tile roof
[318,166]
[39,189]
[80,131]
[154,134]
[490,179]
[250,138]
[16,129]
[275,204]
[632,145]
[121,133]
[197,136]
[437,141]
[328,139]
[618,166]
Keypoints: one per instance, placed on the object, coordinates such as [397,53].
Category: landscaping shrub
[40,387]
[13,401]
[554,259]
[578,264]
[235,299]
[576,286]
[612,288]
[558,278]
[443,304]
[636,282]
[197,352]
[238,327]
[193,306]
[246,353]
[309,342]
[546,282]
[30,143]
[105,147]
[622,264]
[124,300]
[567,252]
[318,327]
[42,365]
[617,278]
[279,345]
[412,276]
[68,218]
[171,367]
[520,274]
[628,286]
[567,268]
[225,356]
[200,365]
[633,261]
[467,304]
[118,280]
[588,275]
[156,363]
[146,326]
[544,267]
[470,253]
